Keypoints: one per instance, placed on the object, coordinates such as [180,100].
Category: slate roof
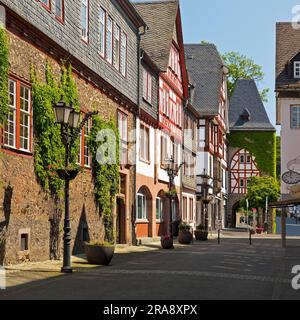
[246,99]
[205,67]
[287,47]
[160,17]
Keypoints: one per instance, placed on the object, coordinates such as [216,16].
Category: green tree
[242,67]
[278,157]
[259,189]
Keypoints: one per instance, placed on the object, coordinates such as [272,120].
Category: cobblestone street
[231,270]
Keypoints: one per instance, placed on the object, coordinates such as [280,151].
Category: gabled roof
[160,17]
[206,68]
[132,13]
[287,47]
[246,101]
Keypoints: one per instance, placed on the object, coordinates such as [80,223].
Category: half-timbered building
[209,98]
[249,126]
[163,44]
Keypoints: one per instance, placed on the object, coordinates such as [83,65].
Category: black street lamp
[68,119]
[172,170]
[204,194]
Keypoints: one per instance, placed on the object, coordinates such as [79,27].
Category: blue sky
[244,26]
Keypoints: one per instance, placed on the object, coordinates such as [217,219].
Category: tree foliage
[4,65]
[242,67]
[259,189]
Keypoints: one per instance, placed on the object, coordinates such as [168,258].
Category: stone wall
[24,207]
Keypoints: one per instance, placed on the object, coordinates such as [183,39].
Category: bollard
[219,236]
[250,237]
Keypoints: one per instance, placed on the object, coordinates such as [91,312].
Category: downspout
[136,117]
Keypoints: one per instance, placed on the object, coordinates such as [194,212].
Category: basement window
[24,242]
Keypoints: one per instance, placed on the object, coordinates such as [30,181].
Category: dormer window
[297,69]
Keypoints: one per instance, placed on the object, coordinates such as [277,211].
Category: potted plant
[201,234]
[69,173]
[259,230]
[167,242]
[99,253]
[185,235]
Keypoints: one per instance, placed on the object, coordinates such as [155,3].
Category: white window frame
[85,29]
[144,143]
[109,39]
[159,215]
[61,7]
[28,115]
[124,46]
[147,86]
[117,47]
[102,32]
[295,113]
[297,69]
[13,111]
[88,163]
[144,207]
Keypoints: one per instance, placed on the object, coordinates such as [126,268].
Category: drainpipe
[136,117]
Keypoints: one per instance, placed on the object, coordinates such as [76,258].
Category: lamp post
[172,170]
[204,194]
[68,119]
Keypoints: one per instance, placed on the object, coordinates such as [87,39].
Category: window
[141,207]
[59,9]
[124,54]
[242,183]
[164,153]
[109,39]
[117,35]
[24,118]
[46,3]
[123,125]
[17,129]
[296,69]
[147,86]
[184,216]
[242,159]
[159,209]
[84,20]
[102,20]
[24,242]
[144,143]
[84,157]
[295,117]
[191,218]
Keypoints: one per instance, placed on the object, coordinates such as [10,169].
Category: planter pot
[99,255]
[201,235]
[67,174]
[167,244]
[185,237]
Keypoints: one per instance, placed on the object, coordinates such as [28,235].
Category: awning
[285,203]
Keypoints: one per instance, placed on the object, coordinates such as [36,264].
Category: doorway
[121,222]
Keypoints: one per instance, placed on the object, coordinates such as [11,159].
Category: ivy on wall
[262,145]
[106,175]
[49,150]
[4,65]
